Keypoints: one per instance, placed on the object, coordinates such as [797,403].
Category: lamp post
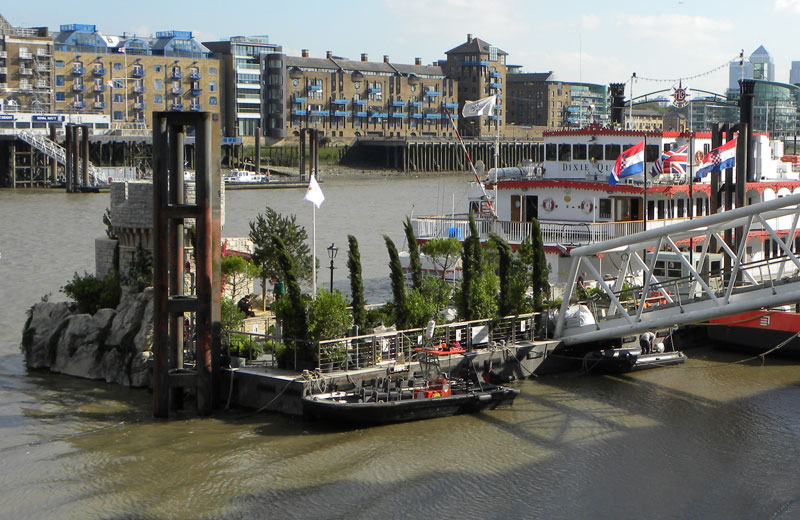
[332,250]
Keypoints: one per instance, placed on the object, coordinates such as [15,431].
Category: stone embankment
[113,344]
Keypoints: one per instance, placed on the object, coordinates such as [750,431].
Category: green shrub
[230,316]
[246,346]
[90,293]
[328,317]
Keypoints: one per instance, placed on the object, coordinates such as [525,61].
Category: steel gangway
[636,300]
[55,151]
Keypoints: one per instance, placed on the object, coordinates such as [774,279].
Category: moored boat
[440,397]
[759,332]
[244,177]
[621,360]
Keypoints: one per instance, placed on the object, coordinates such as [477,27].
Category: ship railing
[387,348]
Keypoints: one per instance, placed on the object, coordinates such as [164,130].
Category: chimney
[386,58]
[329,54]
[469,37]
[417,61]
[364,56]
[304,53]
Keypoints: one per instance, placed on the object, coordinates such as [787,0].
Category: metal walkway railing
[57,152]
[744,286]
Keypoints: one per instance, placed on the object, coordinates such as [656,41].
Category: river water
[707,439]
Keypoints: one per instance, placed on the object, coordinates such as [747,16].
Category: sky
[580,40]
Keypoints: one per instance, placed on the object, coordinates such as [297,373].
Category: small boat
[759,332]
[621,360]
[440,397]
[244,177]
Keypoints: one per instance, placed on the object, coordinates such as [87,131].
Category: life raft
[548,204]
[587,206]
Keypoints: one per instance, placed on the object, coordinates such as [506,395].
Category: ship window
[651,210]
[612,152]
[658,270]
[681,207]
[550,152]
[661,214]
[674,269]
[604,208]
[595,152]
[579,152]
[564,152]
[651,153]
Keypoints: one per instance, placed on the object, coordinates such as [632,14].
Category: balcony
[99,71]
[3,54]
[195,74]
[433,116]
[339,102]
[137,72]
[178,107]
[476,63]
[399,115]
[495,74]
[176,91]
[451,105]
[78,87]
[321,113]
[195,91]
[78,104]
[99,105]
[314,88]
[98,87]
[195,107]
[42,67]
[298,100]
[398,103]
[25,72]
[432,93]
[176,74]
[496,85]
[361,114]
[298,112]
[416,104]
[139,89]
[416,116]
[78,70]
[341,113]
[43,52]
[25,55]
[24,85]
[3,70]
[379,115]
[360,102]
[139,106]
[42,84]
[3,87]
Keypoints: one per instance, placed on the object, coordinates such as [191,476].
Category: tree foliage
[534,266]
[398,284]
[444,253]
[505,304]
[427,302]
[413,254]
[291,308]
[356,284]
[91,293]
[328,317]
[237,273]
[231,317]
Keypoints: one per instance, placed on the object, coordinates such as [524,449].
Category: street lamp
[332,250]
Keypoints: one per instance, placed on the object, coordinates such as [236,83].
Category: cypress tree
[413,255]
[505,306]
[356,284]
[398,284]
[470,270]
[541,270]
[296,324]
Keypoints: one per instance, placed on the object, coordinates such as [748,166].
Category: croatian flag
[630,162]
[718,159]
[671,161]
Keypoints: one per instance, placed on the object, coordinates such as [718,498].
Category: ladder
[57,152]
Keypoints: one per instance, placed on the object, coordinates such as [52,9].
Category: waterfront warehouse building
[26,68]
[128,77]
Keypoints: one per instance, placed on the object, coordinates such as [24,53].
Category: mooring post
[161,392]
[85,154]
[302,157]
[75,158]
[68,158]
[258,149]
[53,163]
[176,135]
[316,154]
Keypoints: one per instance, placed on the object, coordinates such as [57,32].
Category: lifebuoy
[548,204]
[587,206]
[539,170]
[698,157]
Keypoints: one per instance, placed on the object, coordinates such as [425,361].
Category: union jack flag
[671,161]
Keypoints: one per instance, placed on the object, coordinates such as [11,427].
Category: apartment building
[348,98]
[26,68]
[128,77]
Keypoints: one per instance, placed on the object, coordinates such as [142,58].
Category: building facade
[128,77]
[26,68]
[245,84]
[346,98]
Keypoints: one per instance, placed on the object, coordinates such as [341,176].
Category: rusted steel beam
[161,392]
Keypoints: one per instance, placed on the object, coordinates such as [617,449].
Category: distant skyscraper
[794,73]
[760,65]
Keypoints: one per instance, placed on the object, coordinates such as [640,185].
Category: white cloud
[590,21]
[788,5]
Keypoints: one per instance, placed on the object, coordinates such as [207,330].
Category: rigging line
[666,80]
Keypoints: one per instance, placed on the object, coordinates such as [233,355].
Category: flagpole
[469,160]
[644,177]
[496,149]
[313,250]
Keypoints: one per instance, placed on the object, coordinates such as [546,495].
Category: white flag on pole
[482,107]
[314,193]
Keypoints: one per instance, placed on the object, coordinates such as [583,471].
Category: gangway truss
[55,151]
[657,304]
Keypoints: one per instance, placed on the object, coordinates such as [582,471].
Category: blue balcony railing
[299,100]
[195,91]
[137,72]
[176,90]
[416,104]
[176,74]
[416,116]
[433,116]
[451,105]
[99,87]
[322,113]
[339,102]
[496,85]
[399,115]
[298,112]
[195,74]
[79,104]
[361,114]
[139,106]
[432,93]
[314,88]
[78,87]
[78,69]
[479,63]
[99,105]
[398,103]
[379,114]
[99,71]
[195,107]
[360,102]
[495,74]
[176,107]
[341,113]
[139,89]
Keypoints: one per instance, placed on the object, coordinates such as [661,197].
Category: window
[295,82]
[157,68]
[59,64]
[579,152]
[564,152]
[612,152]
[212,100]
[604,208]
[60,96]
[158,84]
[212,86]
[59,81]
[212,71]
[117,66]
[118,83]
[157,98]
[595,152]
[117,115]
[117,98]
